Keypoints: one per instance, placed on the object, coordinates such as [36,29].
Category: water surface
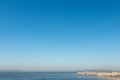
[44,76]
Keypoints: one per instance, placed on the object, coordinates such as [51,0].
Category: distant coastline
[110,75]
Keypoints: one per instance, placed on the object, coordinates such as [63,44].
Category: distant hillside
[97,70]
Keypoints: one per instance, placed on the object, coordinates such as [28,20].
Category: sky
[59,35]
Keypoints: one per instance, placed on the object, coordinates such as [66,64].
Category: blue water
[44,76]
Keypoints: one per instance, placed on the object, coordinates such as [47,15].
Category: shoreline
[104,75]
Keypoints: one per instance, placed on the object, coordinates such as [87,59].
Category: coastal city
[105,75]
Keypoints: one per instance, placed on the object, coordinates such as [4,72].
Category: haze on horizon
[59,35]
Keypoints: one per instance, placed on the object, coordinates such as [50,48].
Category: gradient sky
[54,35]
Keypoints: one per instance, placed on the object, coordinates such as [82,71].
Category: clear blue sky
[54,35]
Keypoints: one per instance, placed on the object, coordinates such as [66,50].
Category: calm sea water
[44,76]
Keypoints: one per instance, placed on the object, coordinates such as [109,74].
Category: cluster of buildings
[102,74]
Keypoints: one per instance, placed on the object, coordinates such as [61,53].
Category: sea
[44,76]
